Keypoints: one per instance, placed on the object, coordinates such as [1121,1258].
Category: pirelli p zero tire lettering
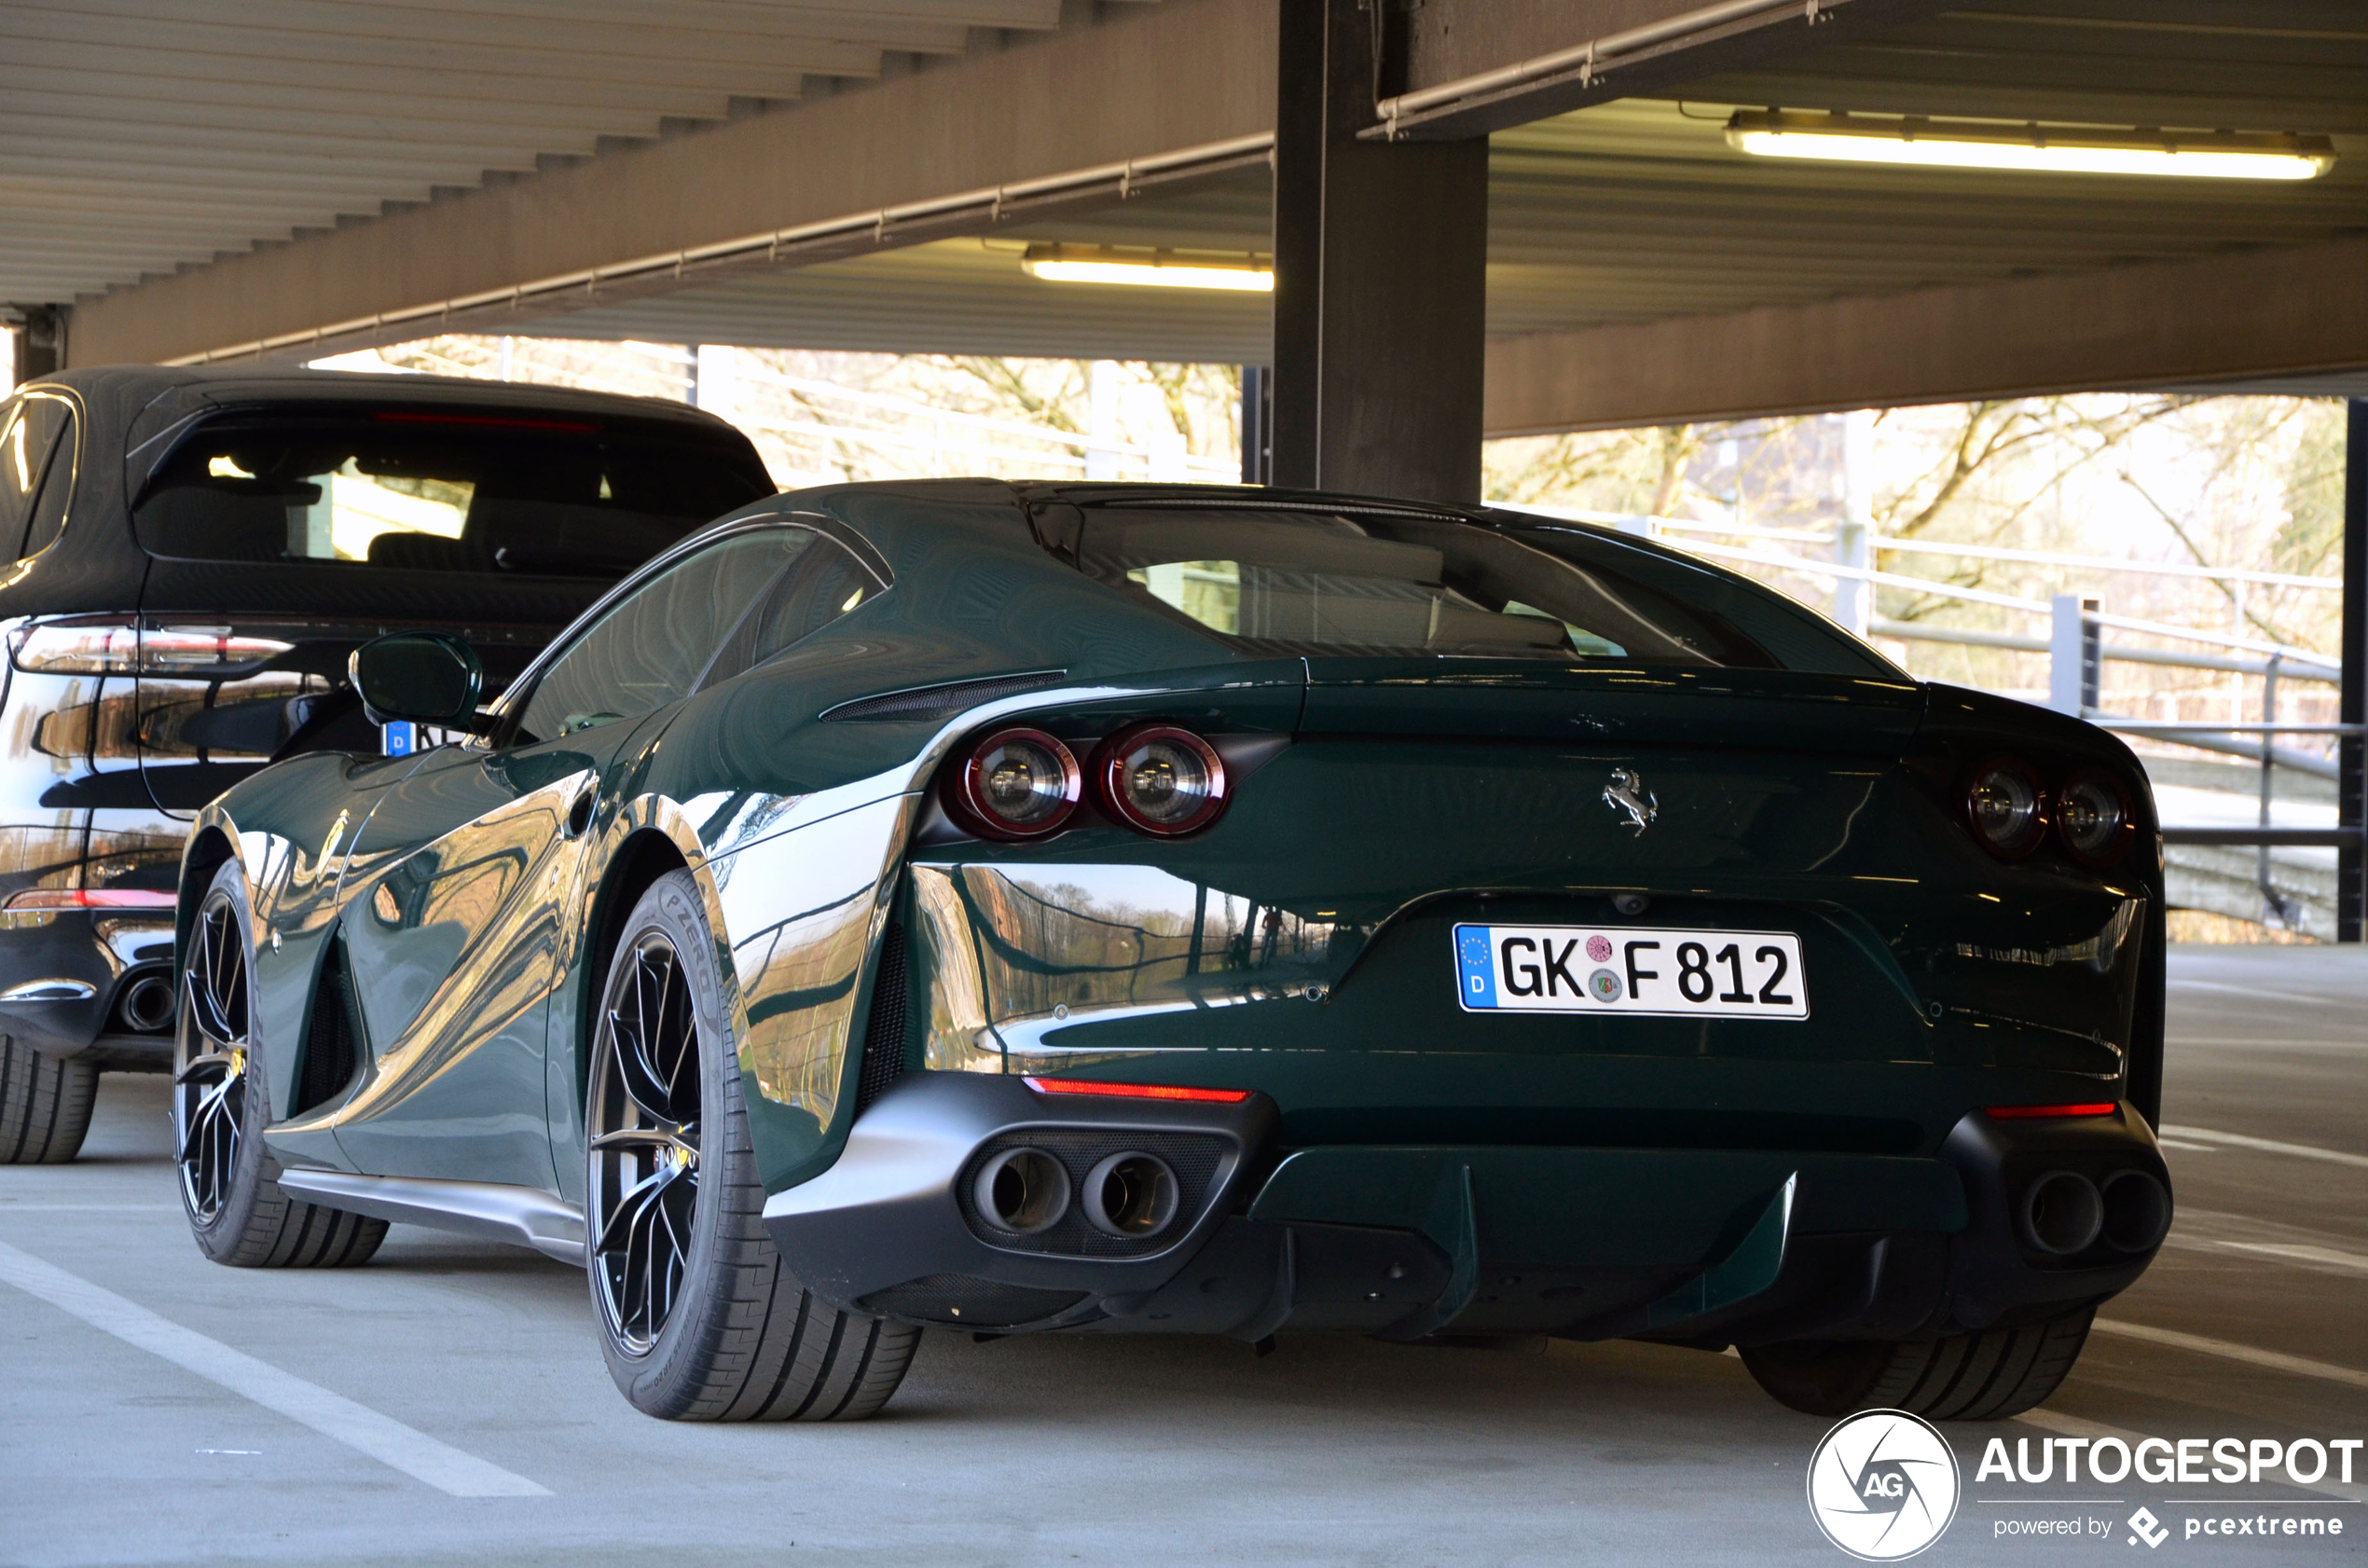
[45,1105]
[229,1181]
[700,1319]
[1988,1376]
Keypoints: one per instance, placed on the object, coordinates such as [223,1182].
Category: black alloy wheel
[209,1081]
[643,1131]
[221,1103]
[700,1317]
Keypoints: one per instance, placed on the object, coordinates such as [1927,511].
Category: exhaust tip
[2062,1213]
[1022,1190]
[148,1005]
[2136,1212]
[1133,1195]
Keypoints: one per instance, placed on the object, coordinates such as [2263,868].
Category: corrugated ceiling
[140,136]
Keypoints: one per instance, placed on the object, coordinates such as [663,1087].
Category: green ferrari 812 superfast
[1188,910]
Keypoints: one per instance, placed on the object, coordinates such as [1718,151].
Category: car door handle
[580,812]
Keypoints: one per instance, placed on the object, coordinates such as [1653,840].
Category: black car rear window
[559,495]
[1312,582]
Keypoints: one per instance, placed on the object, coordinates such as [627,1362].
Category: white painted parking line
[332,1415]
[2285,1252]
[8,1208]
[2276,1360]
[2268,1146]
[2254,993]
[2095,1431]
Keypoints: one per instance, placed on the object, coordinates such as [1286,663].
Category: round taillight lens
[2006,809]
[1021,783]
[2093,815]
[1159,779]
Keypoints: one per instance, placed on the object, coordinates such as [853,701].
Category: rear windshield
[556,496]
[1310,582]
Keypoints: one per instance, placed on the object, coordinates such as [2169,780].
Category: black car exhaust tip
[1132,1195]
[147,1006]
[2136,1212]
[2062,1213]
[1022,1190]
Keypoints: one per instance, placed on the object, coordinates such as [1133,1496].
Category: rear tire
[700,1319]
[1988,1376]
[229,1181]
[45,1105]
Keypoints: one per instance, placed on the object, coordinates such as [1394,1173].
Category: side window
[648,649]
[29,432]
[820,584]
[51,501]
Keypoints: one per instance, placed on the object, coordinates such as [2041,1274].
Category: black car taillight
[2093,816]
[1019,783]
[1159,779]
[2006,809]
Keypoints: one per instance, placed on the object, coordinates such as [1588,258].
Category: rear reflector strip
[1135,1090]
[2025,1113]
[88,898]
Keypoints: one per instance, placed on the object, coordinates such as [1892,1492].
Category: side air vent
[883,1033]
[332,1045]
[936,704]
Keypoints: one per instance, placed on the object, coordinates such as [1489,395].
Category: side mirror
[427,677]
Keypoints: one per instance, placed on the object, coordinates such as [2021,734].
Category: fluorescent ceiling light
[2213,155]
[1075,263]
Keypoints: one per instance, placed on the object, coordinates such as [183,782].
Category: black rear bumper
[65,976]
[1693,1246]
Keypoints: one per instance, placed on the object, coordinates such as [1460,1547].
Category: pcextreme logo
[1883,1485]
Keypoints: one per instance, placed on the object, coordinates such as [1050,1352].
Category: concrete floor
[1114,1451]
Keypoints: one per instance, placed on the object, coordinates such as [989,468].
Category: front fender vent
[332,1042]
[937,704]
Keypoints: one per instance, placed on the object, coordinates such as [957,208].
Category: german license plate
[1655,974]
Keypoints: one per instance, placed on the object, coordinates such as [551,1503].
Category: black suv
[196,553]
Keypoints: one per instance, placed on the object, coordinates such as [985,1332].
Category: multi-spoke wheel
[210,1083]
[700,1319]
[644,1185]
[229,1182]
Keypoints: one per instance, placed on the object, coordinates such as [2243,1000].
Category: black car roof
[126,409]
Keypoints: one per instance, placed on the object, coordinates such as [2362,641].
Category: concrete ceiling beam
[2249,315]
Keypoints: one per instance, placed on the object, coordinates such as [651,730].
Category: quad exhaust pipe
[2064,1212]
[1023,1191]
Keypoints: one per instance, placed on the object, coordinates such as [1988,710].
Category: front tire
[1988,1376]
[229,1181]
[45,1105]
[700,1319]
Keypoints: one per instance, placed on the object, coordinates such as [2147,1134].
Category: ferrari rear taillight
[1162,780]
[1019,783]
[2093,815]
[2006,809]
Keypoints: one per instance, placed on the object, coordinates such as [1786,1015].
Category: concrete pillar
[37,342]
[1380,273]
[1257,419]
[2351,885]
